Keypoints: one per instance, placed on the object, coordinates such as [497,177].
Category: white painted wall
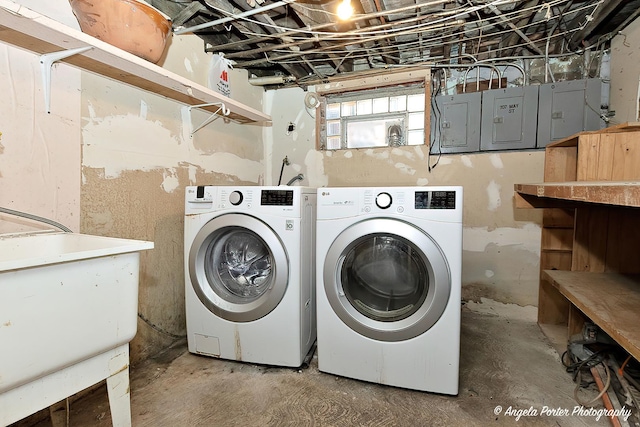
[58,10]
[39,152]
[625,74]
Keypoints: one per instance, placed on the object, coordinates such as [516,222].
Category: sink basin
[67,302]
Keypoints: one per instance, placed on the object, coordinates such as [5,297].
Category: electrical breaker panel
[509,118]
[569,107]
[455,123]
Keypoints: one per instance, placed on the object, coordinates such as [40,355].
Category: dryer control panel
[437,203]
[435,200]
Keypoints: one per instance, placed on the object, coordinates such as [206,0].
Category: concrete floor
[505,361]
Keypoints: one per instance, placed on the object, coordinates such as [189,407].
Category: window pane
[369,133]
[333,128]
[375,133]
[415,137]
[348,108]
[415,102]
[333,143]
[364,107]
[333,111]
[380,118]
[397,103]
[416,121]
[381,105]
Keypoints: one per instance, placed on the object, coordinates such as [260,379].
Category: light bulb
[345,10]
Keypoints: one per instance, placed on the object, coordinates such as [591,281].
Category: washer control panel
[276,198]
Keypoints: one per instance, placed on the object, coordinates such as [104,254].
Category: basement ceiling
[304,43]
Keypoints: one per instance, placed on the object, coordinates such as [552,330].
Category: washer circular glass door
[386,279]
[238,267]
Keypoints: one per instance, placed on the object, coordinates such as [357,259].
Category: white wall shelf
[26,29]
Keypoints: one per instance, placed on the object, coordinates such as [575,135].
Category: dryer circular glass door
[386,279]
[238,267]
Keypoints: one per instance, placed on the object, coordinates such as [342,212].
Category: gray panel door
[455,123]
[238,267]
[568,107]
[509,118]
[386,279]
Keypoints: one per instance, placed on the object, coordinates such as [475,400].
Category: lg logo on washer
[327,199]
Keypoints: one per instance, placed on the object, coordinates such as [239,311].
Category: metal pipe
[509,64]
[271,80]
[586,63]
[298,177]
[466,74]
[233,17]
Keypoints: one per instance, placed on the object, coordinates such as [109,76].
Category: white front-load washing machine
[249,273]
[389,285]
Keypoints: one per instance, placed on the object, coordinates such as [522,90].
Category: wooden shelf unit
[610,300]
[615,193]
[590,239]
[26,29]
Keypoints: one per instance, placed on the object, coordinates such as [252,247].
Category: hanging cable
[366,52]
[437,135]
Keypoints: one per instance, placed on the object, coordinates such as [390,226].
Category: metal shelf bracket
[46,62]
[221,109]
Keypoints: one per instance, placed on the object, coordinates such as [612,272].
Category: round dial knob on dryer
[383,200]
[235,198]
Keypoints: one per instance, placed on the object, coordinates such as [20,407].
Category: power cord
[158,328]
[437,135]
[577,367]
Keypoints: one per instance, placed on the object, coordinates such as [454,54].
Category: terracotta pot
[130,25]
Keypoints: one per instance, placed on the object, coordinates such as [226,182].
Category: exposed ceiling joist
[305,41]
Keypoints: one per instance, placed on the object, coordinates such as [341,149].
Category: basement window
[388,117]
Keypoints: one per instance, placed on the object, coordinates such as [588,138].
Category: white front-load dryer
[389,285]
[249,273]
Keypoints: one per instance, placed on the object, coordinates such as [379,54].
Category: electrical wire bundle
[602,362]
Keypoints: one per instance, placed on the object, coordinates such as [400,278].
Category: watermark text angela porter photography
[549,411]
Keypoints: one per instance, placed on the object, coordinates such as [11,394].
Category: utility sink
[68,309]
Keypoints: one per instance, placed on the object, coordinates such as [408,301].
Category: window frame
[372,88]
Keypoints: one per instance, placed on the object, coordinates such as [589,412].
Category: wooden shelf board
[557,336]
[616,193]
[571,141]
[26,29]
[611,300]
